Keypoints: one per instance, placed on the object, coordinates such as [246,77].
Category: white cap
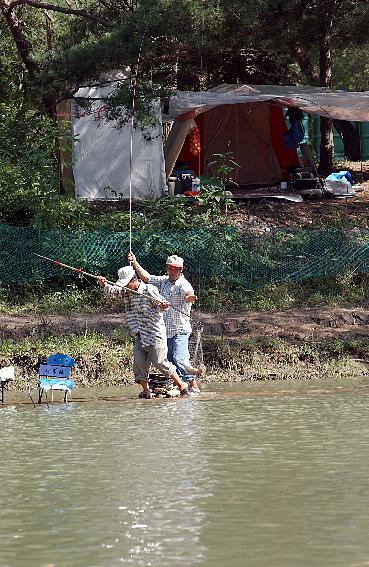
[175,261]
[125,275]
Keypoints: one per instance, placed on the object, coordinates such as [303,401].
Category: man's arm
[157,299]
[113,290]
[188,292]
[140,271]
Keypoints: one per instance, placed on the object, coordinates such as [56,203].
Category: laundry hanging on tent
[296,131]
[294,136]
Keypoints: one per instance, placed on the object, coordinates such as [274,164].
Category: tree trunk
[350,137]
[326,124]
[326,146]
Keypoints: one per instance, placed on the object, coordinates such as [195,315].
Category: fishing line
[133,85]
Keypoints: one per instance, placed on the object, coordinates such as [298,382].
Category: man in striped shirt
[144,308]
[179,293]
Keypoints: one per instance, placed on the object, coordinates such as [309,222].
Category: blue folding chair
[55,375]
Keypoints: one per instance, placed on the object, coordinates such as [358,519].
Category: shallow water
[260,475]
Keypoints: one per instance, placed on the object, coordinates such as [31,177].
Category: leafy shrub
[29,181]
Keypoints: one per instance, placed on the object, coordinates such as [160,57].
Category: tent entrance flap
[245,132]
[253,133]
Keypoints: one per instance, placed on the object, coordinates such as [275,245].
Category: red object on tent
[193,154]
[278,127]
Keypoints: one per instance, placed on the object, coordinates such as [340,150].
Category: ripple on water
[219,480]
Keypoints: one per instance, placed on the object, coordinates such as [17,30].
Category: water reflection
[269,475]
[103,485]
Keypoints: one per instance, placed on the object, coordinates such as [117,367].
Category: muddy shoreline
[293,344]
[296,323]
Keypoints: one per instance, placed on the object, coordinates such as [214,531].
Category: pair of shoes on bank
[145,395]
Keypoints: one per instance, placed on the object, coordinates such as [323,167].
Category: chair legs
[41,391]
[3,383]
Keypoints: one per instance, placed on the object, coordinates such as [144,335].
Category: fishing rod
[117,284]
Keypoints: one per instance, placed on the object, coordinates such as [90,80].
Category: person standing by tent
[144,309]
[180,294]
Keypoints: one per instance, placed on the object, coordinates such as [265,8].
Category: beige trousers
[153,354]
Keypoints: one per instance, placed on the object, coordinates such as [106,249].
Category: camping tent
[102,153]
[248,121]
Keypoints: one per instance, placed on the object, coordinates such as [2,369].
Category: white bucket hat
[125,275]
[175,261]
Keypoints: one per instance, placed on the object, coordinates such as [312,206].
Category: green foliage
[212,198]
[144,96]
[29,182]
[212,195]
[65,211]
[217,295]
[169,213]
[29,186]
[72,344]
[358,348]
[222,166]
[350,69]
[174,213]
[183,44]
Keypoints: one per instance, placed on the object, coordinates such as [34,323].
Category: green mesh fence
[227,253]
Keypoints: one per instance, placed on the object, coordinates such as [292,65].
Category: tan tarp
[342,105]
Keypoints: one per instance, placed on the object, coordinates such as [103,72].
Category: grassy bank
[65,296]
[107,360]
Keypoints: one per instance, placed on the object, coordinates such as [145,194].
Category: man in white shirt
[144,307]
[179,293]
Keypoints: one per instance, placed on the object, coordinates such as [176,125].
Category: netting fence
[228,253]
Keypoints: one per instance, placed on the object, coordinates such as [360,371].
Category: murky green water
[259,475]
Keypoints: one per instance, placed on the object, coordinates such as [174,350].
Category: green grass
[108,359]
[219,296]
[277,358]
[214,296]
[73,344]
[58,298]
[100,359]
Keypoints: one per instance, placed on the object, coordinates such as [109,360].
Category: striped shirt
[174,292]
[144,316]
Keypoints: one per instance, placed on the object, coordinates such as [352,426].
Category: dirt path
[315,323]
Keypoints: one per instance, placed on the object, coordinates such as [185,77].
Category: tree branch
[24,47]
[304,62]
[53,8]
